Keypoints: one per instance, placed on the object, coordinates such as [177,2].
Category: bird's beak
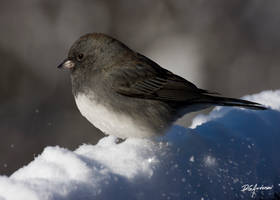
[66,64]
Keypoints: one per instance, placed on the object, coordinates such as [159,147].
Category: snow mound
[222,152]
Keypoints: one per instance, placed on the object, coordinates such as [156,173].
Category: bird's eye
[80,57]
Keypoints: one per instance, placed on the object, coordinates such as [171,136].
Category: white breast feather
[109,122]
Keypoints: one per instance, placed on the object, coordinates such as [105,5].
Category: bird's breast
[109,121]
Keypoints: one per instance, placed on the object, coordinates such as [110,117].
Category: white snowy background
[212,159]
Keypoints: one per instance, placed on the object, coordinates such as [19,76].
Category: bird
[127,95]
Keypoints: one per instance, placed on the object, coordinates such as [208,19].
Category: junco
[125,94]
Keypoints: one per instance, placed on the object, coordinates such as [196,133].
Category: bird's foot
[120,140]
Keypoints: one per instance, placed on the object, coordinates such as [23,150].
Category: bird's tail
[225,101]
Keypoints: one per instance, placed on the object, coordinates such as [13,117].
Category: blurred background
[231,47]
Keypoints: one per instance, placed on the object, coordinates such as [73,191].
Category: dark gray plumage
[126,94]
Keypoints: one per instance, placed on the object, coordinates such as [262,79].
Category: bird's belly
[110,122]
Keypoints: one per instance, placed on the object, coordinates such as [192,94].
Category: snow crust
[212,159]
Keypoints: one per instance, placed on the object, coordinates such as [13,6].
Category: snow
[213,159]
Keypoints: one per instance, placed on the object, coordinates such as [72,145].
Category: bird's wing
[146,79]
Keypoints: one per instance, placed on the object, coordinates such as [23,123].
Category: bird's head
[92,52]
